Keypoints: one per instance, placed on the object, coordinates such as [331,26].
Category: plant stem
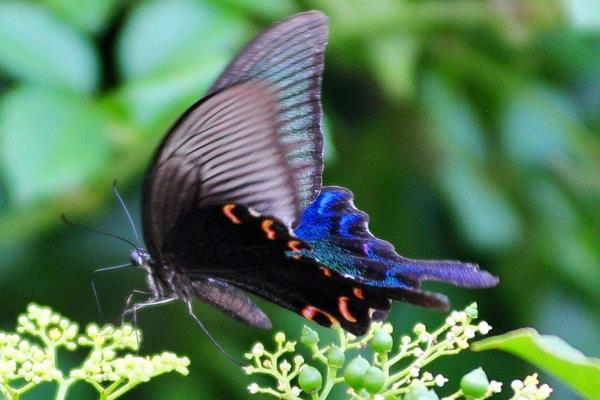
[330,380]
[63,387]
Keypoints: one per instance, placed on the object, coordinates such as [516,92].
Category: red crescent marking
[358,293]
[326,271]
[310,312]
[294,245]
[266,226]
[228,211]
[343,306]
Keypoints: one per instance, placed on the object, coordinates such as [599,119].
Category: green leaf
[394,64]
[37,47]
[89,15]
[455,128]
[482,210]
[540,126]
[271,9]
[49,141]
[147,102]
[164,34]
[552,354]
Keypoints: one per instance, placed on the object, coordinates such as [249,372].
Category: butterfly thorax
[162,280]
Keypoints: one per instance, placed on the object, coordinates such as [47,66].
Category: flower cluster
[24,363]
[528,389]
[393,371]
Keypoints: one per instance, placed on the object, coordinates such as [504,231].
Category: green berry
[309,337]
[310,379]
[421,393]
[374,380]
[335,357]
[475,383]
[382,342]
[354,375]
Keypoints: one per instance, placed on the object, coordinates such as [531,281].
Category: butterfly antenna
[105,269]
[214,340]
[113,267]
[66,221]
[97,299]
[124,206]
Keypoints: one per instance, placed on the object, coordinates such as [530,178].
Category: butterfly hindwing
[231,301]
[339,235]
[235,245]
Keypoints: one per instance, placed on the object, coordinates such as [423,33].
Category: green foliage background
[467,129]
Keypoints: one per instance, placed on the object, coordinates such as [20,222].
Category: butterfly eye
[137,258]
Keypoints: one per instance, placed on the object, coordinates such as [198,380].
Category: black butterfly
[233,200]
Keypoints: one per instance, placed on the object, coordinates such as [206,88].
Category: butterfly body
[233,201]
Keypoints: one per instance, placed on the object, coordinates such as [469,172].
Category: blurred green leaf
[482,210]
[37,47]
[539,126]
[88,15]
[572,250]
[50,141]
[271,9]
[454,126]
[146,101]
[161,35]
[394,63]
[583,14]
[552,354]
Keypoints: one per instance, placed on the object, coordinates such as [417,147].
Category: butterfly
[233,201]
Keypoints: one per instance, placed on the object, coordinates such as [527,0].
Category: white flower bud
[440,380]
[258,349]
[516,385]
[285,366]
[253,388]
[484,328]
[279,337]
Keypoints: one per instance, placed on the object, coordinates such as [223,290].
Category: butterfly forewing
[226,148]
[289,56]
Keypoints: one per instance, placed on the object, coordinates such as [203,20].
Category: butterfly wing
[289,56]
[231,301]
[287,61]
[339,235]
[226,148]
[234,245]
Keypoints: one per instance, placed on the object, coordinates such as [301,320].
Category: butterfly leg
[215,342]
[129,300]
[148,303]
[133,310]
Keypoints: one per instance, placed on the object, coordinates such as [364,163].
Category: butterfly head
[141,258]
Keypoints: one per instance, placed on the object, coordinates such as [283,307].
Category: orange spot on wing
[310,312]
[294,245]
[228,211]
[266,226]
[326,271]
[358,293]
[343,306]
